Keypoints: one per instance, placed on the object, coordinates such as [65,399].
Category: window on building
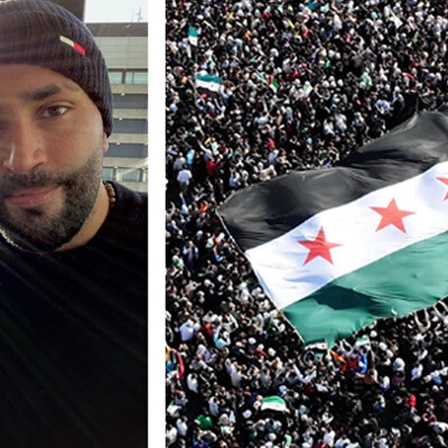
[128,174]
[136,77]
[108,173]
[137,151]
[130,126]
[116,76]
[130,101]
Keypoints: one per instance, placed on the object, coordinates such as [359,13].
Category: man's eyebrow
[45,92]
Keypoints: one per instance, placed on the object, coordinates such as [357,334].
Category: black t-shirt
[73,338]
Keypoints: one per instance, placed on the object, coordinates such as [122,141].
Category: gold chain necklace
[112,199]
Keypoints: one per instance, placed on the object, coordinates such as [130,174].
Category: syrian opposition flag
[274,85]
[208,84]
[273,403]
[338,248]
[193,36]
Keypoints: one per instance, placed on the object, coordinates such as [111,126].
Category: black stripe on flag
[262,212]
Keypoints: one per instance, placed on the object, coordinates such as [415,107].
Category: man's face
[51,147]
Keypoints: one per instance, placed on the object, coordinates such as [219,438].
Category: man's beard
[38,231]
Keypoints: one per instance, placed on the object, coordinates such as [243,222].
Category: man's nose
[21,148]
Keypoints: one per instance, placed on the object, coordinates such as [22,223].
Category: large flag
[337,249]
[208,84]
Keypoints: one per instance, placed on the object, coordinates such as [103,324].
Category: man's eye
[54,111]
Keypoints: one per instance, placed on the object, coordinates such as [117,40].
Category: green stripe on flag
[209,78]
[398,283]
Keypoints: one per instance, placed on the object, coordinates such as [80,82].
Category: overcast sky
[115,10]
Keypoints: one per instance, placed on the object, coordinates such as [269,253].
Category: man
[73,250]
[184,178]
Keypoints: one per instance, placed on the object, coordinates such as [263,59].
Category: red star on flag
[445,181]
[391,215]
[319,247]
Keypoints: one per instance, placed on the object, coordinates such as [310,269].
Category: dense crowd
[303,84]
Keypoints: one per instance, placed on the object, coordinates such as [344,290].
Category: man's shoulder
[130,205]
[129,195]
[127,222]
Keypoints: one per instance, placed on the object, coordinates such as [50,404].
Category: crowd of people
[301,86]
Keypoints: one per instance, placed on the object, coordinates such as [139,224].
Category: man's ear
[105,143]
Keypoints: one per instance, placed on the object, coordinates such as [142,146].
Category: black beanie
[38,32]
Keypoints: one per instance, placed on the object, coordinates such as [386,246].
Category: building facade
[125,48]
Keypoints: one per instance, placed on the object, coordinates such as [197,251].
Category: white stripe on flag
[280,264]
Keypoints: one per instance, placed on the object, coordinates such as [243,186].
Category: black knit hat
[38,32]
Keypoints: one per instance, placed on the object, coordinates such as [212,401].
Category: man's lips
[31,197]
